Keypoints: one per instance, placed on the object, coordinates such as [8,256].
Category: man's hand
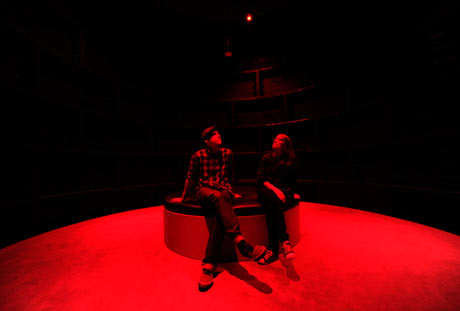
[237,196]
[177,200]
[296,196]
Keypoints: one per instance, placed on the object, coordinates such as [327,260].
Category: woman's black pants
[274,212]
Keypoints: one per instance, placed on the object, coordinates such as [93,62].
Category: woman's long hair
[287,157]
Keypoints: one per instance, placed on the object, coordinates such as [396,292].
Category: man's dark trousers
[223,221]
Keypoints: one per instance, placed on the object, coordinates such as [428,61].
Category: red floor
[347,260]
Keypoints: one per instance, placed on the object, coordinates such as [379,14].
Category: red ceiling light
[249,17]
[227,48]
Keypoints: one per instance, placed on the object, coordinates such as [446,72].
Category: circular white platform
[187,235]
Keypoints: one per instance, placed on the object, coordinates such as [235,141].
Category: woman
[275,182]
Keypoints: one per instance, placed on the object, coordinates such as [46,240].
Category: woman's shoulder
[267,156]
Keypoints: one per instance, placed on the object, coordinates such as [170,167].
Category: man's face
[214,140]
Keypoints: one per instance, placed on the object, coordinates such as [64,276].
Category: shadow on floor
[291,272]
[237,270]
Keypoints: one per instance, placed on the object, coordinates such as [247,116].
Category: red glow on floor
[346,260]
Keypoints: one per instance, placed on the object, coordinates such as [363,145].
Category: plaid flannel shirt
[214,170]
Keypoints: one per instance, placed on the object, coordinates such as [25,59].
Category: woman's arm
[262,173]
[277,191]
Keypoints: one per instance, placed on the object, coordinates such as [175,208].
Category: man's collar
[209,151]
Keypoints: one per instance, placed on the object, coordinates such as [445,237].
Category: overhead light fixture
[227,47]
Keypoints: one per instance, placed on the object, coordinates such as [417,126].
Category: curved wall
[82,142]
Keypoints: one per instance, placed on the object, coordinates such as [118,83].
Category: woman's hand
[280,195]
[277,191]
[176,200]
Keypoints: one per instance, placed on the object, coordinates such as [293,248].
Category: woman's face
[278,143]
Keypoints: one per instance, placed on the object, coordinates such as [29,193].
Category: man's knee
[224,196]
[208,195]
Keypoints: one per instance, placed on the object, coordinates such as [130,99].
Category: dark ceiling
[196,29]
[184,40]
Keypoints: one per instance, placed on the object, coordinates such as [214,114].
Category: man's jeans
[223,221]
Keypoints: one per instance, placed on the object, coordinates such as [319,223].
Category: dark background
[103,104]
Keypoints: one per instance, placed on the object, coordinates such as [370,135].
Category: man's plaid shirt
[212,170]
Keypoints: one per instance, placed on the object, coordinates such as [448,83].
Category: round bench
[186,225]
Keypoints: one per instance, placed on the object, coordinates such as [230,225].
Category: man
[210,173]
